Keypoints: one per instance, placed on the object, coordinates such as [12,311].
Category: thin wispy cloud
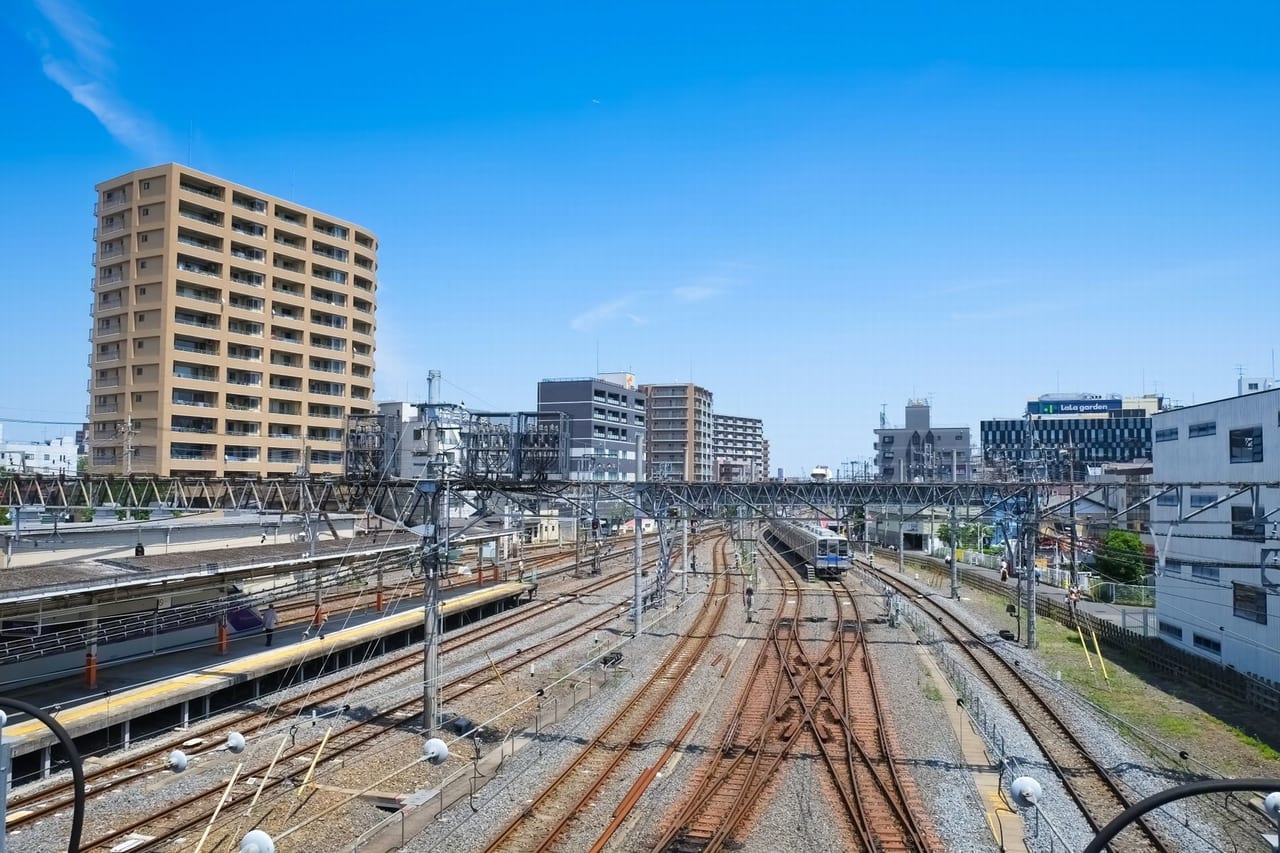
[80,63]
[606,311]
[694,293]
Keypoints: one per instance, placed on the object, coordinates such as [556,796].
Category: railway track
[814,694]
[27,809]
[544,823]
[1098,794]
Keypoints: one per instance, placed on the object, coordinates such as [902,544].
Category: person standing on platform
[269,621]
[317,623]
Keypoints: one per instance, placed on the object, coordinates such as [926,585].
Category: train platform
[170,690]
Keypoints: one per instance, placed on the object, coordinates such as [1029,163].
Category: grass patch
[1258,746]
[932,693]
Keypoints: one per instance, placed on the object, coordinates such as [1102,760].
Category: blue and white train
[810,547]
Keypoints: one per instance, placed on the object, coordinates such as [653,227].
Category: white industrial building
[55,456]
[1218,593]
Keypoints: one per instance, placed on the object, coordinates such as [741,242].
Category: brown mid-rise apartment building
[233,332]
[679,433]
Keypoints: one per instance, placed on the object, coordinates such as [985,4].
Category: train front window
[844,548]
[822,547]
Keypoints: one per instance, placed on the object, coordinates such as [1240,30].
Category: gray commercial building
[740,449]
[607,424]
[921,451]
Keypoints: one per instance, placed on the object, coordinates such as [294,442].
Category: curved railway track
[1098,794]
[27,809]
[819,694]
[545,821]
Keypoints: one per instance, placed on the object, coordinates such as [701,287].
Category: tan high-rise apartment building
[679,433]
[233,332]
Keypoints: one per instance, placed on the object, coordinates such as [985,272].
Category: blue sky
[811,212]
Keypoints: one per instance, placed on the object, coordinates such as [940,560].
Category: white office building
[1218,594]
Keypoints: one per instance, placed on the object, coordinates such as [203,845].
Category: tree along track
[1092,787]
[546,820]
[810,699]
[144,764]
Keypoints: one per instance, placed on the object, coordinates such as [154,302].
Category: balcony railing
[249,278]
[198,270]
[114,204]
[335,276]
[204,404]
[108,230]
[196,377]
[191,188]
[244,407]
[199,244]
[203,296]
[200,217]
[193,321]
[253,257]
[246,203]
[249,230]
[280,386]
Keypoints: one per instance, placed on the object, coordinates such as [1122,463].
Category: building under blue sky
[811,211]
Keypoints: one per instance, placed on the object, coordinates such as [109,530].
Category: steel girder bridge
[403,501]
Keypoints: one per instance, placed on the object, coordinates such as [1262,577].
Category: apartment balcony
[241,403]
[328,228]
[363,262]
[362,328]
[248,229]
[364,284]
[191,265]
[249,330]
[286,386]
[287,289]
[326,274]
[245,378]
[115,202]
[107,357]
[245,303]
[188,239]
[203,215]
[118,252]
[243,353]
[233,454]
[200,294]
[209,401]
[332,321]
[185,423]
[247,253]
[108,330]
[252,279]
[325,412]
[287,264]
[328,389]
[284,409]
[331,252]
[199,187]
[328,366]
[328,297]
[291,217]
[197,374]
[196,347]
[286,457]
[248,202]
[191,452]
[107,302]
[108,230]
[323,434]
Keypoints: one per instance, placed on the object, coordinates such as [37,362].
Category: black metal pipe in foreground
[1155,801]
[73,755]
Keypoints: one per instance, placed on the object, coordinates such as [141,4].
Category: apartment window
[1249,602]
[1171,630]
[137,344]
[1202,430]
[142,238]
[142,317]
[142,291]
[146,185]
[142,265]
[1204,573]
[1170,434]
[1168,499]
[1209,644]
[1200,499]
[137,371]
[888,439]
[146,211]
[1245,525]
[137,398]
[1246,445]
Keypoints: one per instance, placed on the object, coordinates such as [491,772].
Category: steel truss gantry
[402,500]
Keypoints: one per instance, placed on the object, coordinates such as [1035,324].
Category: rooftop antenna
[882,417]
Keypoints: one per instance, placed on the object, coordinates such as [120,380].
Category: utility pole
[901,521]
[955,570]
[125,431]
[638,591]
[431,569]
[1071,478]
[684,560]
[1032,513]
